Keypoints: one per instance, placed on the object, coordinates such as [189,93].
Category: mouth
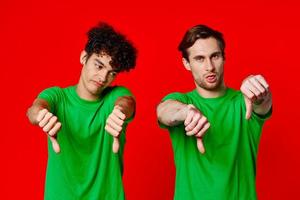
[98,84]
[211,78]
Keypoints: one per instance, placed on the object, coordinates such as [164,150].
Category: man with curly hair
[215,130]
[86,122]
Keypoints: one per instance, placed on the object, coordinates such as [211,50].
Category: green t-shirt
[227,169]
[86,167]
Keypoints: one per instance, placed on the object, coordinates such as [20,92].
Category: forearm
[127,105]
[172,112]
[263,107]
[33,111]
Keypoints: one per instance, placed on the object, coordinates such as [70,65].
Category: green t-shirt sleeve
[51,95]
[173,96]
[262,118]
[255,123]
[177,97]
[120,91]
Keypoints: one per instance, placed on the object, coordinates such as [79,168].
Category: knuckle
[52,132]
[197,129]
[41,124]
[45,129]
[54,118]
[58,124]
[259,76]
[188,133]
[251,96]
[120,128]
[110,116]
[108,121]
[122,116]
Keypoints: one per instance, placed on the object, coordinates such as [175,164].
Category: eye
[113,73]
[98,66]
[199,59]
[216,56]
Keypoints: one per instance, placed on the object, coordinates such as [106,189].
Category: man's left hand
[256,92]
[114,126]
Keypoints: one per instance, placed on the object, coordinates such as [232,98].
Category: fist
[255,90]
[114,126]
[50,125]
[196,124]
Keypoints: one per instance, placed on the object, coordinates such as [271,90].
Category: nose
[103,75]
[210,65]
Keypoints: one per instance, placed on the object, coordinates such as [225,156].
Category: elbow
[29,115]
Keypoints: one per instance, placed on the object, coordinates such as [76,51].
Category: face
[206,64]
[96,75]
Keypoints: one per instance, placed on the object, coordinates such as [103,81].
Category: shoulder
[178,96]
[52,91]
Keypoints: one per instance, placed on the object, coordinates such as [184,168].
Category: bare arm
[32,112]
[124,109]
[172,113]
[38,114]
[126,105]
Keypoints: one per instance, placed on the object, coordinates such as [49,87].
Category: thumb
[200,145]
[248,104]
[55,144]
[116,145]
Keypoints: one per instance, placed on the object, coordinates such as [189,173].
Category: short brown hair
[200,32]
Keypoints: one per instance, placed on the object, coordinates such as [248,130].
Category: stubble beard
[218,85]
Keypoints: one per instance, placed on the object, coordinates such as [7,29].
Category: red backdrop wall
[40,47]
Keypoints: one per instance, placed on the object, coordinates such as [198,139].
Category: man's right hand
[50,125]
[196,124]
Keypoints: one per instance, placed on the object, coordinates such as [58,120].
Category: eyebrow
[101,63]
[216,53]
[212,54]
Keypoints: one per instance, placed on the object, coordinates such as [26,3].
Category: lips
[211,78]
[98,84]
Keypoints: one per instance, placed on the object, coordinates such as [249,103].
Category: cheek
[198,71]
[218,66]
[109,81]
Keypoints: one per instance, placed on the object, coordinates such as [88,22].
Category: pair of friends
[214,129]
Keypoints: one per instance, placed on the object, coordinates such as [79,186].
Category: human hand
[256,91]
[114,126]
[50,125]
[196,124]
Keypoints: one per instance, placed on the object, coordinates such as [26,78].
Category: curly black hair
[104,39]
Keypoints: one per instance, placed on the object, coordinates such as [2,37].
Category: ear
[186,64]
[83,56]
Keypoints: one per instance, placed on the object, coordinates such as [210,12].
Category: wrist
[186,109]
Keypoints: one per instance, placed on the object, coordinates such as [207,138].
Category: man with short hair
[85,162]
[222,124]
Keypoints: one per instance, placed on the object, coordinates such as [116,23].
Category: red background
[40,47]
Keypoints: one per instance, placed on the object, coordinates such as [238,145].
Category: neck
[83,93]
[214,93]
